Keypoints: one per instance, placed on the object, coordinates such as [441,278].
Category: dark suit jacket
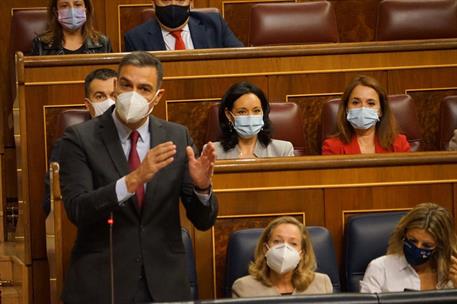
[208,30]
[92,160]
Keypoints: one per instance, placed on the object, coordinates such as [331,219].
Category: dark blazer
[40,48]
[92,160]
[207,30]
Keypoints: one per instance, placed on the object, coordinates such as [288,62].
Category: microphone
[111,260]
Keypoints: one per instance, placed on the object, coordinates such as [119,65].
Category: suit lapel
[155,40]
[112,143]
[198,34]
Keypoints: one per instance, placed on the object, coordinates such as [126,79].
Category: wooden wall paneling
[428,87]
[129,17]
[113,21]
[356,19]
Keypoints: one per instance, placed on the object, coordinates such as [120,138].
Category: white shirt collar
[124,131]
[167,33]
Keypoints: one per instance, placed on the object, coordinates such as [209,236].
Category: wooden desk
[307,75]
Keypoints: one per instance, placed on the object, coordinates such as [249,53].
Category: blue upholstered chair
[190,261]
[366,238]
[241,247]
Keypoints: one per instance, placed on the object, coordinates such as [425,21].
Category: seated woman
[246,127]
[421,254]
[284,264]
[70,30]
[365,123]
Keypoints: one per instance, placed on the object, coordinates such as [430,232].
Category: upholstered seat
[365,238]
[448,121]
[416,19]
[286,119]
[26,24]
[292,23]
[241,247]
[402,107]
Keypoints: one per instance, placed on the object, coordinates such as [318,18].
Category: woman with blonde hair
[421,254]
[70,30]
[284,264]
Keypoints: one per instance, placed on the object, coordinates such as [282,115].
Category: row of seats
[366,238]
[315,22]
[296,23]
[288,122]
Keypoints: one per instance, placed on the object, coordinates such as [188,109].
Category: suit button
[138,259]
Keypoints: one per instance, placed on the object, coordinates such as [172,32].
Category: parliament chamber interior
[302,57]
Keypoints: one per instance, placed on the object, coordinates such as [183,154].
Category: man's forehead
[131,71]
[102,84]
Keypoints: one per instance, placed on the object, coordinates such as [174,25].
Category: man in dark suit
[176,28]
[133,168]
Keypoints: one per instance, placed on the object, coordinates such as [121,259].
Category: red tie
[134,162]
[179,44]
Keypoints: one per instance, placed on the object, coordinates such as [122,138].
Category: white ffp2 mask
[132,107]
[282,258]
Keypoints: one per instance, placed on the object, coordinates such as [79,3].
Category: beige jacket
[248,286]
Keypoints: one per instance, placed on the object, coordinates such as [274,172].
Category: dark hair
[143,59]
[229,136]
[54,32]
[386,128]
[101,74]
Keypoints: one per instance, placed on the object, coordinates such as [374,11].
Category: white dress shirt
[391,273]
[170,41]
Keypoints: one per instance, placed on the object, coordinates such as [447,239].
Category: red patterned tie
[134,162]
[179,45]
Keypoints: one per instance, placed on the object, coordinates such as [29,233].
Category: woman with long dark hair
[246,127]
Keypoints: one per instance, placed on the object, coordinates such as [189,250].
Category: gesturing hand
[201,169]
[157,158]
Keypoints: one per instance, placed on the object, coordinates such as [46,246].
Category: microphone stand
[111,259]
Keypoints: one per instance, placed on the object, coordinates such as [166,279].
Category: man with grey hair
[131,169]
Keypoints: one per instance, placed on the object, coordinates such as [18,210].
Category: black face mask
[172,16]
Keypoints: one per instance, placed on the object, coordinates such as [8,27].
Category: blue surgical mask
[414,255]
[248,125]
[362,118]
[72,18]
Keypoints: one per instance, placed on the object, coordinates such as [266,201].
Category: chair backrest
[402,107]
[149,13]
[69,118]
[241,247]
[286,119]
[25,25]
[448,121]
[292,23]
[416,19]
[366,238]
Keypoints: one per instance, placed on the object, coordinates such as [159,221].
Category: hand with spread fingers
[157,158]
[201,169]
[453,271]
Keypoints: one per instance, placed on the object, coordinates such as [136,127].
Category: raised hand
[157,158]
[201,169]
